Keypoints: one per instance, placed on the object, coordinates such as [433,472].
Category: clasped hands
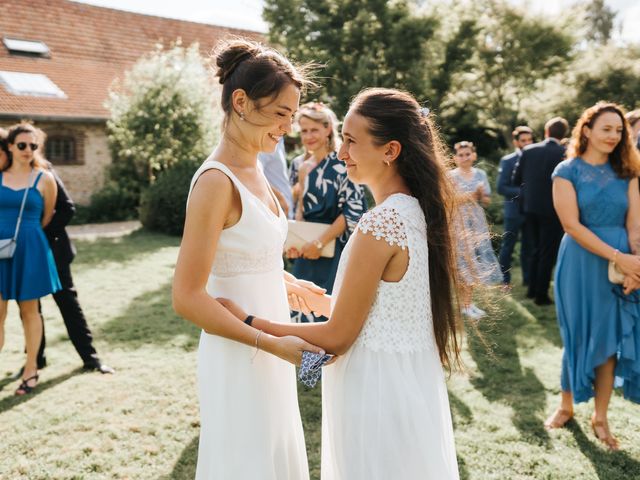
[309,251]
[307,297]
[629,265]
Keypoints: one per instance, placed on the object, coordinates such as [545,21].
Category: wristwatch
[319,245]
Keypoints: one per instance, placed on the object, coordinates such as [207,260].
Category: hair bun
[232,53]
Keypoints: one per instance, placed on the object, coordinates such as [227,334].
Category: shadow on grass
[9,402]
[503,379]
[149,319]
[185,467]
[121,250]
[608,465]
[460,411]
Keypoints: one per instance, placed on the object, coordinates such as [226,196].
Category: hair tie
[424,112]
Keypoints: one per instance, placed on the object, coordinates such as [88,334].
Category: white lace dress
[250,424]
[385,405]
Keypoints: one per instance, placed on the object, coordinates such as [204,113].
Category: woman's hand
[233,308]
[310,251]
[629,285]
[629,265]
[311,299]
[293,252]
[290,348]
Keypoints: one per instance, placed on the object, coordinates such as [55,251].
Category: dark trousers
[74,319]
[514,228]
[545,233]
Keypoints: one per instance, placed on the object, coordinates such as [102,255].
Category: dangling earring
[242,116]
[386,162]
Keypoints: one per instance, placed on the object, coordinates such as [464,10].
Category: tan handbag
[301,233]
[614,273]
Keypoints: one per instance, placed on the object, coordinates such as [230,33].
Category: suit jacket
[506,187]
[533,173]
[61,246]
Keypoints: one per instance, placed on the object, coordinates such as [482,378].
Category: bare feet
[558,419]
[603,434]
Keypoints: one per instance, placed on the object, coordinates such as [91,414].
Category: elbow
[179,302]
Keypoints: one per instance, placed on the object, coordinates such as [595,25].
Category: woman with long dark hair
[393,318]
[27,191]
[595,193]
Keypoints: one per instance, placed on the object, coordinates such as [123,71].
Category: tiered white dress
[385,404]
[250,421]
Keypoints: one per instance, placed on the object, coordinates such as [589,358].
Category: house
[58,59]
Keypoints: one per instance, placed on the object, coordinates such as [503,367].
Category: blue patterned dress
[476,258]
[328,193]
[31,272]
[597,321]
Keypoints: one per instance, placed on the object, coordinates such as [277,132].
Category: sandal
[558,419]
[607,439]
[25,388]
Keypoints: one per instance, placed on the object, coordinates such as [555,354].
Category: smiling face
[314,135]
[267,120]
[605,134]
[523,140]
[364,159]
[21,149]
[464,157]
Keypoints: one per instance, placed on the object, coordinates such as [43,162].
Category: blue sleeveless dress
[31,273]
[596,319]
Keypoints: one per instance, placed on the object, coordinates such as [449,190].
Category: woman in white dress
[392,322]
[232,246]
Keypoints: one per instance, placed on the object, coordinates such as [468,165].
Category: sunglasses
[23,146]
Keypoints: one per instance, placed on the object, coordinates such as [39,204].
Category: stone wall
[85,175]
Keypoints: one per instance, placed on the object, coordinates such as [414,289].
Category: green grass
[142,423]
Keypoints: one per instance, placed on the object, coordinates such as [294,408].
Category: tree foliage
[162,113]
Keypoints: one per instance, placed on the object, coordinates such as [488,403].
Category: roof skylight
[31,84]
[30,47]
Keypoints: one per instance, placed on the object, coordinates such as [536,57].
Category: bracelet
[615,255]
[319,245]
[249,320]
[257,345]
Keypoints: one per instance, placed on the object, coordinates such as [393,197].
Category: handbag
[8,245]
[301,233]
[614,273]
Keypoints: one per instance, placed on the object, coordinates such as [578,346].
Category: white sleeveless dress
[250,424]
[385,407]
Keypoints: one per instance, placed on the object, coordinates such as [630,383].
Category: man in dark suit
[67,298]
[542,226]
[513,218]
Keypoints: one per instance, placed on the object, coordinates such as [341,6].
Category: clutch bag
[615,275]
[304,232]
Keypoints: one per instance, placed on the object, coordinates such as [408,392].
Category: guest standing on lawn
[595,193]
[30,273]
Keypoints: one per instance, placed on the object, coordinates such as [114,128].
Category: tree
[361,43]
[162,113]
[598,22]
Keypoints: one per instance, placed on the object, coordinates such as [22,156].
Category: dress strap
[215,165]
[35,184]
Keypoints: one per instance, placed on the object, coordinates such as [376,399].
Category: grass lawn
[142,423]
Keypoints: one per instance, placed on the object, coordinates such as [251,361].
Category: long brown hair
[624,159]
[26,127]
[422,164]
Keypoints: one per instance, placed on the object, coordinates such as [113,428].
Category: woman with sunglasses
[31,272]
[325,196]
[595,193]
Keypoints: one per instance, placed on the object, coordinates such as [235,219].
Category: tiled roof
[90,46]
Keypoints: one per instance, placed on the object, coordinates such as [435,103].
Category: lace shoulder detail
[385,223]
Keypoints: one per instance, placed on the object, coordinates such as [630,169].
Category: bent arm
[565,203]
[367,261]
[49,193]
[505,187]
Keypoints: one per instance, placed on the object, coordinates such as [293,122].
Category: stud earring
[386,162]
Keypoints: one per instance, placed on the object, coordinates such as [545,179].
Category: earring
[242,116]
[386,162]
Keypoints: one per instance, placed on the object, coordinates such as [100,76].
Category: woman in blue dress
[595,193]
[476,259]
[328,196]
[31,272]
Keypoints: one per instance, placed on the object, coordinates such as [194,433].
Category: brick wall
[86,175]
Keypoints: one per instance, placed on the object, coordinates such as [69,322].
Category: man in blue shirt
[275,169]
[513,218]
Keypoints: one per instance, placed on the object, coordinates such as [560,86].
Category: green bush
[163,204]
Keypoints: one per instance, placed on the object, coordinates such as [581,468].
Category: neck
[466,169]
[235,151]
[318,155]
[20,167]
[594,157]
[382,190]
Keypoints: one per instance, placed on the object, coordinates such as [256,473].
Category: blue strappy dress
[31,272]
